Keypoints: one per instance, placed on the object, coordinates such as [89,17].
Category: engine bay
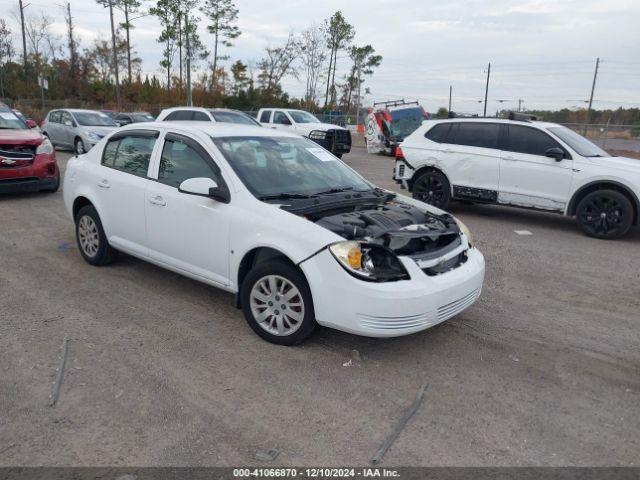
[402,228]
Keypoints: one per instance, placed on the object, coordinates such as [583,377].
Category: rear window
[180,115]
[438,133]
[200,117]
[474,134]
[264,116]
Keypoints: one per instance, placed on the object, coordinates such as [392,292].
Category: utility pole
[24,38]
[520,102]
[115,56]
[186,32]
[126,21]
[486,90]
[450,91]
[593,87]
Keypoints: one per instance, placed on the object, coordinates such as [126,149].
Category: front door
[187,232]
[528,177]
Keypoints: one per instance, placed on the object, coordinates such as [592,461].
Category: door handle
[158,200]
[447,150]
[509,158]
[104,183]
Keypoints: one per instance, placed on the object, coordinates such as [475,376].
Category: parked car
[521,163]
[125,118]
[334,138]
[27,159]
[389,123]
[298,236]
[197,114]
[77,129]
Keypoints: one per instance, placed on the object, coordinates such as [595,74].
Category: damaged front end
[376,236]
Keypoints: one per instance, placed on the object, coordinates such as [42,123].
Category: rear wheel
[605,214]
[277,304]
[92,241]
[432,188]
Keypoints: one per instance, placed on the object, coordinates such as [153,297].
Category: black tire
[78,147]
[339,155]
[605,214]
[432,187]
[284,270]
[103,254]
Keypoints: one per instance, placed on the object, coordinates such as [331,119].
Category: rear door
[281,120]
[187,232]
[527,176]
[121,184]
[470,157]
[66,133]
[53,127]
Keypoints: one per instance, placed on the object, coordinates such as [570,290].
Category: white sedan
[298,236]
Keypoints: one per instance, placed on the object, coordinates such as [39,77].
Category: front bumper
[393,308]
[337,142]
[41,174]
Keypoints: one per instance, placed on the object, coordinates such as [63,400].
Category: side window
[281,118]
[529,140]
[66,117]
[438,132]
[200,117]
[130,154]
[181,161]
[474,134]
[54,117]
[180,115]
[264,116]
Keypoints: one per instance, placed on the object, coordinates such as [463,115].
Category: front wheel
[79,147]
[277,304]
[432,188]
[92,241]
[605,214]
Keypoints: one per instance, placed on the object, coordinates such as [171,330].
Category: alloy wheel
[88,236]
[602,215]
[80,147]
[277,305]
[431,190]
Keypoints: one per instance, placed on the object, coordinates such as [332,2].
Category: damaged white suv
[299,237]
[521,163]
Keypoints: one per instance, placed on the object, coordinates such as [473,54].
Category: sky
[541,51]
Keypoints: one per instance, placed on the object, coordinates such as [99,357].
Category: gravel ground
[543,370]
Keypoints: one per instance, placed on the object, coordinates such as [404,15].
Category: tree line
[47,67]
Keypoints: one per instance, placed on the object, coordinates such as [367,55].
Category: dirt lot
[543,370]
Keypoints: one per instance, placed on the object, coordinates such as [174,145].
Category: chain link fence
[613,138]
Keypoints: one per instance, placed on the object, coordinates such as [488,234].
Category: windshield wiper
[334,190]
[284,196]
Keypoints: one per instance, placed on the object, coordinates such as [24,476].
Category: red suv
[27,158]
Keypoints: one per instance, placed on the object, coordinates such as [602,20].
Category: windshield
[94,119]
[10,121]
[581,145]
[281,165]
[405,121]
[302,117]
[233,117]
[142,117]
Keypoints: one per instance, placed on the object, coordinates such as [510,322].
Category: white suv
[199,114]
[271,216]
[521,163]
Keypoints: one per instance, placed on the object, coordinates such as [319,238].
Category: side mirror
[31,124]
[556,153]
[68,123]
[205,187]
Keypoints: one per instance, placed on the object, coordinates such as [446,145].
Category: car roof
[536,123]
[214,129]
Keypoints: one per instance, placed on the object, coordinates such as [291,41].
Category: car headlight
[371,262]
[464,229]
[93,136]
[45,148]
[317,135]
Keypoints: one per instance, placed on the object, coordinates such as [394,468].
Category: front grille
[339,140]
[446,266]
[451,309]
[12,156]
[395,323]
